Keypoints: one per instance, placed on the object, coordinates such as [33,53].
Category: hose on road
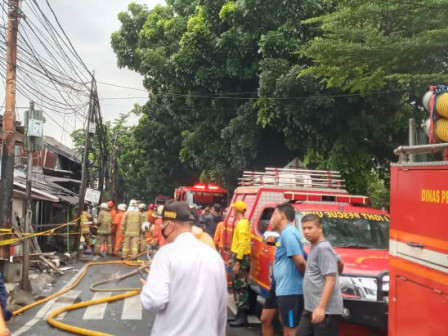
[81,331]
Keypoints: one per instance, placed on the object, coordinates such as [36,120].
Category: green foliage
[369,45]
[377,189]
[225,93]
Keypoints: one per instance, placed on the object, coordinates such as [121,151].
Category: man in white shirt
[187,283]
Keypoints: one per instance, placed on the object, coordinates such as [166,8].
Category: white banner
[92,195]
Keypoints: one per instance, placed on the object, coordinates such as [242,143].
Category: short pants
[290,308]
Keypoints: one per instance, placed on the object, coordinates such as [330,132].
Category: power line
[258,97]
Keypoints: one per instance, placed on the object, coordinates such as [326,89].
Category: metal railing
[293,178]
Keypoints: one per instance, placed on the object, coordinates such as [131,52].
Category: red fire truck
[418,300]
[419,249]
[202,194]
[358,233]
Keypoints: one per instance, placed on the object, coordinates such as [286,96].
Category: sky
[89,25]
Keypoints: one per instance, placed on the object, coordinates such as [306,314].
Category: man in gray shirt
[321,289]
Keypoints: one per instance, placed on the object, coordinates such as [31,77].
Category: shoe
[231,319]
[241,321]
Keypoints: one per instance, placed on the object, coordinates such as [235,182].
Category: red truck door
[418,299]
[262,254]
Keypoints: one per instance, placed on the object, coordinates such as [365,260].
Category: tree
[370,45]
[225,96]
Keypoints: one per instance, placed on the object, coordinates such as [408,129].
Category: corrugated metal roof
[54,145]
[43,186]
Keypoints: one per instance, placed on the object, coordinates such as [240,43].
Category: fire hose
[82,331]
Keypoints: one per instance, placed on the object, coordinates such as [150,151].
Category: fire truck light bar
[293,196]
[199,186]
[213,187]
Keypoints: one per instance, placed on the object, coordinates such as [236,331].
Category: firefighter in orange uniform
[158,239]
[104,229]
[151,213]
[113,212]
[131,226]
[117,223]
[218,239]
[111,206]
[86,221]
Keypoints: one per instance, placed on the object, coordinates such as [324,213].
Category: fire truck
[202,195]
[161,200]
[418,299]
[359,234]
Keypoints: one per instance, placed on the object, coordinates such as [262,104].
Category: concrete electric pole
[9,119]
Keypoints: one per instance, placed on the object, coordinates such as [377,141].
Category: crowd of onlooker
[305,292]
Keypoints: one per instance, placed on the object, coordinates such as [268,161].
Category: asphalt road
[123,317]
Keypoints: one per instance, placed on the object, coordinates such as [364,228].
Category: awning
[39,192]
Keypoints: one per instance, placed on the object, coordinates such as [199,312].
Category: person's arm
[123,223]
[319,313]
[300,262]
[222,316]
[155,293]
[217,234]
[340,266]
[294,250]
[100,217]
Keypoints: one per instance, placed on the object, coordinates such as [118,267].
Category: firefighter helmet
[142,206]
[145,226]
[122,207]
[104,206]
[151,206]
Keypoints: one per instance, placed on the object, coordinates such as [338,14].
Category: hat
[240,206]
[178,211]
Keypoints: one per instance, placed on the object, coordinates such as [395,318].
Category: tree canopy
[241,85]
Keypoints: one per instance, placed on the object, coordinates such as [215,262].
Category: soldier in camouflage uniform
[131,226]
[240,264]
[104,229]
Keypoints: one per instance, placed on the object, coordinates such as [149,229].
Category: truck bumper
[366,313]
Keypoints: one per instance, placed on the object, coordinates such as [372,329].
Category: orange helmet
[151,206]
[110,204]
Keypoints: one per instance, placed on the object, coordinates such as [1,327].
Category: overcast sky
[89,24]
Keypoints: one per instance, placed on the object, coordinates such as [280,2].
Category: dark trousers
[328,327]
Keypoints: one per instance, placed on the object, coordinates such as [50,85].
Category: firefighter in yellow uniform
[104,229]
[131,225]
[86,221]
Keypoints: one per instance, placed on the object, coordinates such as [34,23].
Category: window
[263,222]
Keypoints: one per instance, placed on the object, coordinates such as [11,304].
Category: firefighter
[158,239]
[111,206]
[151,213]
[142,208]
[240,264]
[104,229]
[117,223]
[86,221]
[131,226]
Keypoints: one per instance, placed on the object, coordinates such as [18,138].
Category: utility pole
[25,285]
[9,126]
[114,171]
[83,187]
